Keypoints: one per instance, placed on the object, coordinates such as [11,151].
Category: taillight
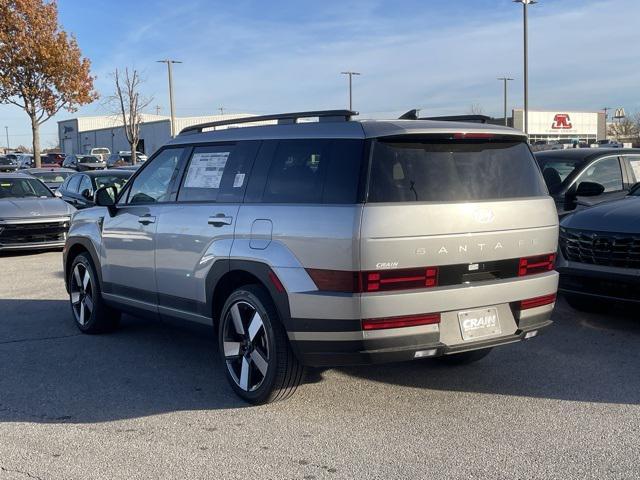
[399,322]
[374,281]
[472,135]
[537,264]
[385,280]
[537,301]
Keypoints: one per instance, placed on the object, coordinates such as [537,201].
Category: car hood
[622,216]
[34,208]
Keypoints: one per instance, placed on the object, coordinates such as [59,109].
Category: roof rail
[282,118]
[413,115]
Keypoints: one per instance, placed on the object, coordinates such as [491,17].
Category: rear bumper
[336,348]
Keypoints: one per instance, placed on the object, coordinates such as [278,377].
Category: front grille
[32,233]
[600,248]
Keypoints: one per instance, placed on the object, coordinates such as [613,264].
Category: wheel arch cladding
[224,279]
[78,246]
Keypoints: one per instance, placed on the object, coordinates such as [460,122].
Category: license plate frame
[479,323]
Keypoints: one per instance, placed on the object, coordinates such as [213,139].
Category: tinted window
[606,172]
[453,172]
[556,171]
[74,183]
[311,171]
[297,172]
[153,183]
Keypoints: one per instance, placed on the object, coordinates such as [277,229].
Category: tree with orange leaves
[41,67]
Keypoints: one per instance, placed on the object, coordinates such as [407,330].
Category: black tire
[464,358]
[588,304]
[90,313]
[245,349]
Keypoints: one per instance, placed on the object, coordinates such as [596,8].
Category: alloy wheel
[246,346]
[81,294]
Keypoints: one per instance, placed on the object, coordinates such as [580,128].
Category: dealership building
[79,135]
[562,125]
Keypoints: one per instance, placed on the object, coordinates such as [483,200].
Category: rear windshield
[449,171]
[89,159]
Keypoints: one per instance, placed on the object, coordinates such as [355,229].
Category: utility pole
[171,106]
[6,130]
[158,108]
[505,80]
[525,4]
[350,74]
[606,109]
[221,110]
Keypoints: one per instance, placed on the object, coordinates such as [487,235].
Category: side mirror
[589,189]
[106,197]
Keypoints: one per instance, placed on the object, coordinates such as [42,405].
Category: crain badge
[483,216]
[386,265]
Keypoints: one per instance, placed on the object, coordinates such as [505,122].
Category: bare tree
[627,129]
[129,104]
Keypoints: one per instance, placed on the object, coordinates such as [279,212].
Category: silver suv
[325,243]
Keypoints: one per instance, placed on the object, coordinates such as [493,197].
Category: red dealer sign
[561,121]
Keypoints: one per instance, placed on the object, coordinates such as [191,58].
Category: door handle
[146,219]
[219,220]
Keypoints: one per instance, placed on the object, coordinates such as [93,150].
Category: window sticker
[205,170]
[239,180]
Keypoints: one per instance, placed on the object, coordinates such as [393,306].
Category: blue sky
[282,55]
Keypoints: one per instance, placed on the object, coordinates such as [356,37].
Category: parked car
[123,159]
[31,217]
[79,188]
[26,160]
[101,152]
[584,177]
[82,163]
[600,254]
[325,243]
[8,164]
[607,144]
[52,159]
[51,177]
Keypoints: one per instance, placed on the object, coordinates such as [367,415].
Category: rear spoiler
[413,115]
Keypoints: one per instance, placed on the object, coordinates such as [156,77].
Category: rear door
[197,231]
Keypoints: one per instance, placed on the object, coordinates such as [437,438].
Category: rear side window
[453,171]
[314,171]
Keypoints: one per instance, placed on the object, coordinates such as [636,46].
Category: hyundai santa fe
[325,243]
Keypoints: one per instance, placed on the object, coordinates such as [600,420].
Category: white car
[101,152]
[607,144]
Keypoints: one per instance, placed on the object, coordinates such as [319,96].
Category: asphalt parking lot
[151,401]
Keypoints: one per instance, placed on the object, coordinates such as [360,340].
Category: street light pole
[606,109]
[505,80]
[6,130]
[525,4]
[350,74]
[171,106]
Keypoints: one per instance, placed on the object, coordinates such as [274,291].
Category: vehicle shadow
[581,357]
[50,372]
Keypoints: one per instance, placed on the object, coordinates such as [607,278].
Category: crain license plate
[483,322]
